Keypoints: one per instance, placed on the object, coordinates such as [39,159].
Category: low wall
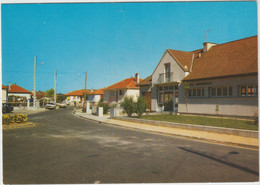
[221,130]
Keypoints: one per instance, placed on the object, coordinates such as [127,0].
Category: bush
[105,106]
[17,118]
[128,105]
[140,106]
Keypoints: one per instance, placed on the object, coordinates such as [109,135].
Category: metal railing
[165,78]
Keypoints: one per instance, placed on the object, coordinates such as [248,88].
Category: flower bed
[14,119]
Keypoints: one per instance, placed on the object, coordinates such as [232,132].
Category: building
[145,90]
[76,97]
[95,96]
[17,93]
[217,79]
[4,94]
[127,87]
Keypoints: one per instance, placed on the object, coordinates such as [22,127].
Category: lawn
[207,121]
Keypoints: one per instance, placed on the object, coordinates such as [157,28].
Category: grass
[207,121]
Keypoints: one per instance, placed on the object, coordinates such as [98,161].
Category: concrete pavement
[227,139]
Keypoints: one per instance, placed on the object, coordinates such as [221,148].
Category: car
[50,106]
[7,108]
[62,105]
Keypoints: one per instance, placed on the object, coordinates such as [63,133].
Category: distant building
[76,97]
[127,87]
[95,96]
[18,93]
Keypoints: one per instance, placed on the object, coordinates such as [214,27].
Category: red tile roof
[17,89]
[77,93]
[97,92]
[4,87]
[228,59]
[128,83]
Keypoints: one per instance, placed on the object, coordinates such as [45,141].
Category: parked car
[62,105]
[6,108]
[50,106]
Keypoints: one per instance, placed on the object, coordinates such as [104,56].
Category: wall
[94,97]
[28,96]
[4,96]
[235,105]
[178,75]
[109,94]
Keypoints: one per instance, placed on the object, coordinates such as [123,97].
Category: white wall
[28,96]
[4,95]
[135,93]
[94,97]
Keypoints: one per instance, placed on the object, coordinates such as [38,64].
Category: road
[65,149]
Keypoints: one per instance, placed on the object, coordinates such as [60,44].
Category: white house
[76,97]
[18,92]
[95,96]
[126,87]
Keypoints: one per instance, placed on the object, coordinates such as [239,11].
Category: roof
[146,81]
[97,92]
[17,89]
[77,92]
[4,87]
[128,83]
[228,59]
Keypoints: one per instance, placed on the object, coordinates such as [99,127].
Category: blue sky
[109,41]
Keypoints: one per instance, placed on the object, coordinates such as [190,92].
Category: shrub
[105,106]
[128,105]
[18,118]
[140,106]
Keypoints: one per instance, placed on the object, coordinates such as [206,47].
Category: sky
[109,41]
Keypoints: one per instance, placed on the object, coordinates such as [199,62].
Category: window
[250,90]
[220,91]
[196,92]
[120,92]
[161,98]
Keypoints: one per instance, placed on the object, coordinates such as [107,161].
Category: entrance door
[147,97]
[168,101]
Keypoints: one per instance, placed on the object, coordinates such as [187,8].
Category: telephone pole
[34,84]
[55,74]
[85,93]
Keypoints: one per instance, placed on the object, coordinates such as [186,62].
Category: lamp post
[34,83]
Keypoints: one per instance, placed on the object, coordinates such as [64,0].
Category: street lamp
[34,82]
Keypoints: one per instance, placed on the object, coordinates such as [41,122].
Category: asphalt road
[62,148]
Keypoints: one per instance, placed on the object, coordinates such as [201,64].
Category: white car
[62,105]
[50,106]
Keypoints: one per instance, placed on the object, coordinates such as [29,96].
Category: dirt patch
[17,125]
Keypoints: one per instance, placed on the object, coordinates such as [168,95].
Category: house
[4,94]
[17,93]
[127,87]
[75,97]
[217,79]
[145,90]
[95,96]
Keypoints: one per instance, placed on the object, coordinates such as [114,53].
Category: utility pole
[85,93]
[55,75]
[34,84]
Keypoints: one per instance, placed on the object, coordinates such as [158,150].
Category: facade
[95,96]
[18,92]
[4,94]
[127,87]
[218,79]
[75,97]
[145,90]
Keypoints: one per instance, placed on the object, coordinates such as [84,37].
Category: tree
[186,87]
[128,105]
[49,93]
[104,105]
[61,98]
[140,106]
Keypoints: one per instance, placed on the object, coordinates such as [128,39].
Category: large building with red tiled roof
[75,97]
[19,92]
[126,87]
[218,75]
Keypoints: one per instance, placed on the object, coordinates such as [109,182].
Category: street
[63,148]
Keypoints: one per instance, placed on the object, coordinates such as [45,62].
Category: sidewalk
[212,137]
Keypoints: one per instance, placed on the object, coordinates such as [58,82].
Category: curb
[178,135]
[18,126]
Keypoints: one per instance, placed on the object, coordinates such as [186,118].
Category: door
[168,101]
[147,97]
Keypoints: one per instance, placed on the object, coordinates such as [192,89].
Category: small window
[194,92]
[166,88]
[160,88]
[225,91]
[213,91]
[219,91]
[176,87]
[189,92]
[230,91]
[198,92]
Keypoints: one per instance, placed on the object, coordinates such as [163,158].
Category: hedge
[17,118]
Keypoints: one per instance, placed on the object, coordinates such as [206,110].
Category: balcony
[165,78]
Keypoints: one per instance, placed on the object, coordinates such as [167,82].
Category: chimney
[207,46]
[137,78]
[9,86]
